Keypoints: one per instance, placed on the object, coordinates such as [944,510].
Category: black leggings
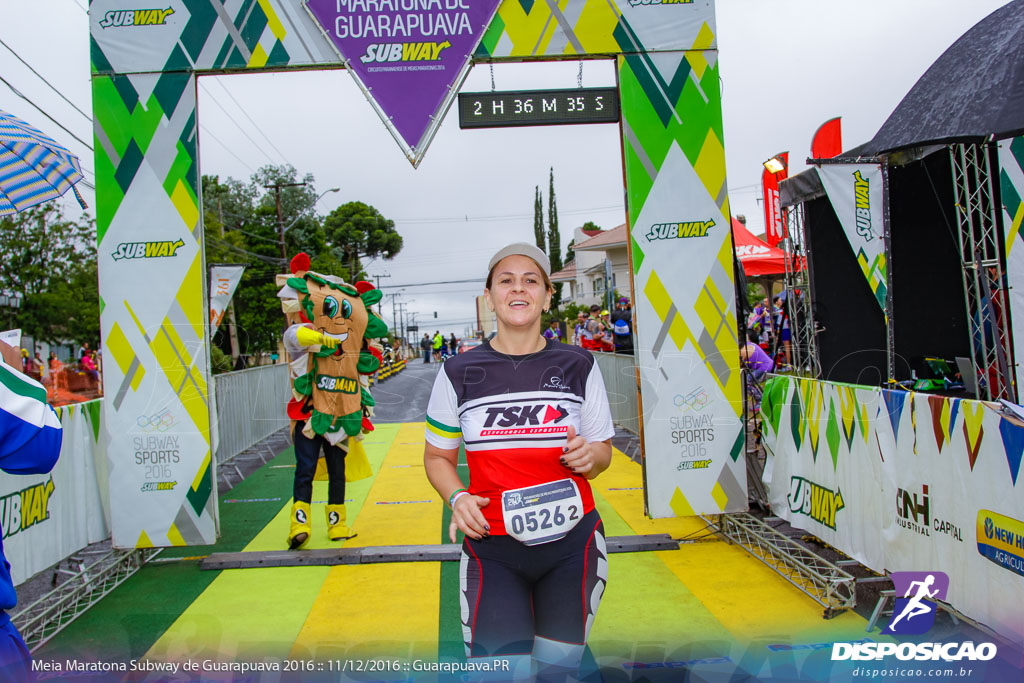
[307,452]
[541,600]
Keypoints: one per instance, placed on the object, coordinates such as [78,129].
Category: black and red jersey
[513,413]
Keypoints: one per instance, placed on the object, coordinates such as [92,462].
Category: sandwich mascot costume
[332,348]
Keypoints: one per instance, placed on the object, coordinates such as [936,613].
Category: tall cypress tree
[554,238]
[538,217]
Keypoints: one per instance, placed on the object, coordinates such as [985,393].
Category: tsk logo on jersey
[671,231]
[525,420]
[136,17]
[164,249]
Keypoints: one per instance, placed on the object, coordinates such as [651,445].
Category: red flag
[828,141]
[775,226]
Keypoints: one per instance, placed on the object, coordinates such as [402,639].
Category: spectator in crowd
[622,327]
[57,379]
[552,332]
[89,366]
[40,365]
[437,344]
[453,344]
[426,345]
[758,364]
[607,340]
[577,333]
[759,321]
[592,332]
[780,318]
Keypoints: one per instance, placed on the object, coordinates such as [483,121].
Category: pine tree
[554,238]
[538,217]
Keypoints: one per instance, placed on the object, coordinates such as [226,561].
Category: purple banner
[407,53]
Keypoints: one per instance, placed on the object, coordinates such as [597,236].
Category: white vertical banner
[156,378]
[1011,185]
[856,194]
[11,337]
[223,281]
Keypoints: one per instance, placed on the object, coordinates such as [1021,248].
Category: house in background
[586,275]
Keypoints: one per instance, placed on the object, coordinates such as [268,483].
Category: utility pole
[378,277]
[276,187]
[232,327]
[400,322]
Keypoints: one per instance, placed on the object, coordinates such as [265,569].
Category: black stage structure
[946,293]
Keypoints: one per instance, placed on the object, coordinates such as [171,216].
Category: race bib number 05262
[542,513]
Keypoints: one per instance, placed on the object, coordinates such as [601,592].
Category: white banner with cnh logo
[223,281]
[905,482]
[856,194]
[47,517]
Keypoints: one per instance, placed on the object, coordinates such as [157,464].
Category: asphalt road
[403,397]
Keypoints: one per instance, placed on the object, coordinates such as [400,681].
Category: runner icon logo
[300,516]
[914,613]
[332,517]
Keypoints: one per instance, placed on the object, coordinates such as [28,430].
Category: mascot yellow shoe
[336,528]
[300,529]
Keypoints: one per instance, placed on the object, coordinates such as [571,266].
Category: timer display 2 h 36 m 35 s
[538,107]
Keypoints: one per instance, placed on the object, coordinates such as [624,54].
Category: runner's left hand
[577,456]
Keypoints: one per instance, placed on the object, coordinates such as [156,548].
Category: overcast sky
[786,66]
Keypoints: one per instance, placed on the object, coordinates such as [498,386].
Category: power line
[231,247]
[484,219]
[250,234]
[41,111]
[208,132]
[40,77]
[255,125]
[439,282]
[232,119]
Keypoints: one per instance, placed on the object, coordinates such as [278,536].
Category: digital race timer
[538,107]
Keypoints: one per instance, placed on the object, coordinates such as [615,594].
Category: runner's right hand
[466,517]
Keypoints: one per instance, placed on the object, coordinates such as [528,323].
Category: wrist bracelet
[455,494]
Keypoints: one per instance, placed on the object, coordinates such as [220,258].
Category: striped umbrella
[33,167]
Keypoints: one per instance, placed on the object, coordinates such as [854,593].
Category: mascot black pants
[307,452]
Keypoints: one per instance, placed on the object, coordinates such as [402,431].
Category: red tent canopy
[756,256]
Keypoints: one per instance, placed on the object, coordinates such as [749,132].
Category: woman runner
[533,415]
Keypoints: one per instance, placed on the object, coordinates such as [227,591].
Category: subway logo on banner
[136,17]
[25,508]
[159,486]
[814,501]
[163,249]
[862,198]
[671,231]
[338,385]
[1001,540]
[404,52]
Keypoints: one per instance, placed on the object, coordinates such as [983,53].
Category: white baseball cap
[530,251]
